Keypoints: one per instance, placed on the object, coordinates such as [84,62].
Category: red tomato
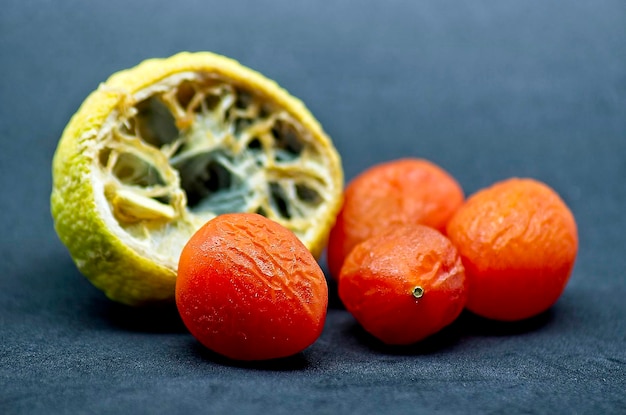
[518,241]
[404,285]
[248,289]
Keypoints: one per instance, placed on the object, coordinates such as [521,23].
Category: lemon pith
[159,149]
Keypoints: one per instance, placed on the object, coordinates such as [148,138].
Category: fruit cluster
[409,254]
[150,169]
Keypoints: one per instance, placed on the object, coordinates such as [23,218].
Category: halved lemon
[159,149]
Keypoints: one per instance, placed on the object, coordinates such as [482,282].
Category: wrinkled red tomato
[404,285]
[248,289]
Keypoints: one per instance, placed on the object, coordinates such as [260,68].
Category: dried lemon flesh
[162,148]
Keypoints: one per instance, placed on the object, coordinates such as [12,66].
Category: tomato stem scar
[418,292]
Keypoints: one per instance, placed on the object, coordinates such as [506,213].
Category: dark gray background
[486,89]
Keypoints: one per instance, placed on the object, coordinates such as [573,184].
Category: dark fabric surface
[486,89]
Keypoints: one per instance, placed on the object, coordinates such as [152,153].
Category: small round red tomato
[404,285]
[248,289]
[518,241]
